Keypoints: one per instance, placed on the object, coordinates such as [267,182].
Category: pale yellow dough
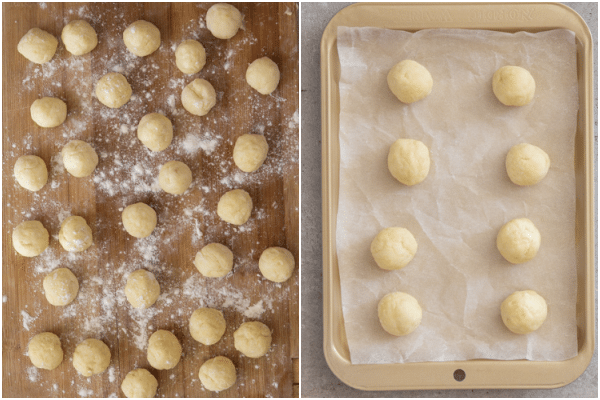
[207,325]
[174,177]
[139,220]
[393,248]
[527,164]
[31,172]
[214,260]
[198,97]
[399,313]
[276,264]
[30,238]
[217,374]
[250,151]
[408,161]
[37,46]
[45,351]
[235,207]
[91,357]
[142,38]
[524,312]
[223,20]
[142,289]
[75,234]
[79,158]
[79,37]
[190,57]
[518,241]
[164,350]
[48,112]
[513,86]
[252,339]
[409,81]
[113,90]
[60,287]
[155,131]
[263,75]
[139,383]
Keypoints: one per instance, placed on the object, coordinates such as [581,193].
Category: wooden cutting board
[127,174]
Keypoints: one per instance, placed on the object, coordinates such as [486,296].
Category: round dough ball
[408,161]
[235,207]
[142,38]
[139,383]
[410,81]
[91,357]
[527,164]
[79,37]
[75,234]
[252,339]
[524,312]
[223,20]
[142,289]
[190,57]
[518,241]
[399,313]
[513,86]
[164,350]
[250,151]
[155,131]
[31,172]
[263,75]
[44,351]
[214,260]
[207,325]
[198,97]
[60,287]
[79,158]
[174,177]
[48,112]
[276,264]
[139,220]
[30,238]
[393,248]
[113,90]
[37,46]
[217,374]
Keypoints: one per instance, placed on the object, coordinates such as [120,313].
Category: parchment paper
[458,276]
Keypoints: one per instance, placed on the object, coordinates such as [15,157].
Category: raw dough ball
[30,238]
[223,20]
[253,339]
[45,351]
[276,264]
[113,90]
[155,131]
[250,151]
[174,177]
[31,172]
[139,383]
[75,234]
[79,37]
[399,313]
[513,86]
[142,289]
[37,46]
[80,159]
[142,38]
[91,357]
[524,312]
[190,57]
[518,241]
[393,248]
[217,374]
[527,164]
[409,81]
[408,161]
[214,260]
[235,207]
[198,97]
[263,75]
[164,350]
[207,325]
[48,112]
[139,220]
[60,287]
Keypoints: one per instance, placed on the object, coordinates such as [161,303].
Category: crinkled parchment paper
[458,276]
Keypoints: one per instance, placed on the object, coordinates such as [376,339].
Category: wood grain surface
[127,174]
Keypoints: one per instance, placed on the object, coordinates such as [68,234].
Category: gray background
[317,380]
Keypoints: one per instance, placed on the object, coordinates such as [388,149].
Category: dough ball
[142,289]
[513,86]
[139,220]
[31,172]
[409,81]
[79,37]
[399,313]
[198,97]
[524,312]
[276,264]
[408,161]
[60,287]
[235,207]
[142,38]
[75,234]
[139,383]
[214,260]
[30,238]
[527,164]
[155,131]
[252,339]
[263,75]
[518,241]
[164,350]
[393,248]
[217,374]
[174,177]
[45,351]
[190,57]
[113,90]
[250,151]
[48,112]
[91,357]
[223,20]
[79,158]
[37,46]
[207,325]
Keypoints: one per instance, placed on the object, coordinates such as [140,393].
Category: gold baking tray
[471,374]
